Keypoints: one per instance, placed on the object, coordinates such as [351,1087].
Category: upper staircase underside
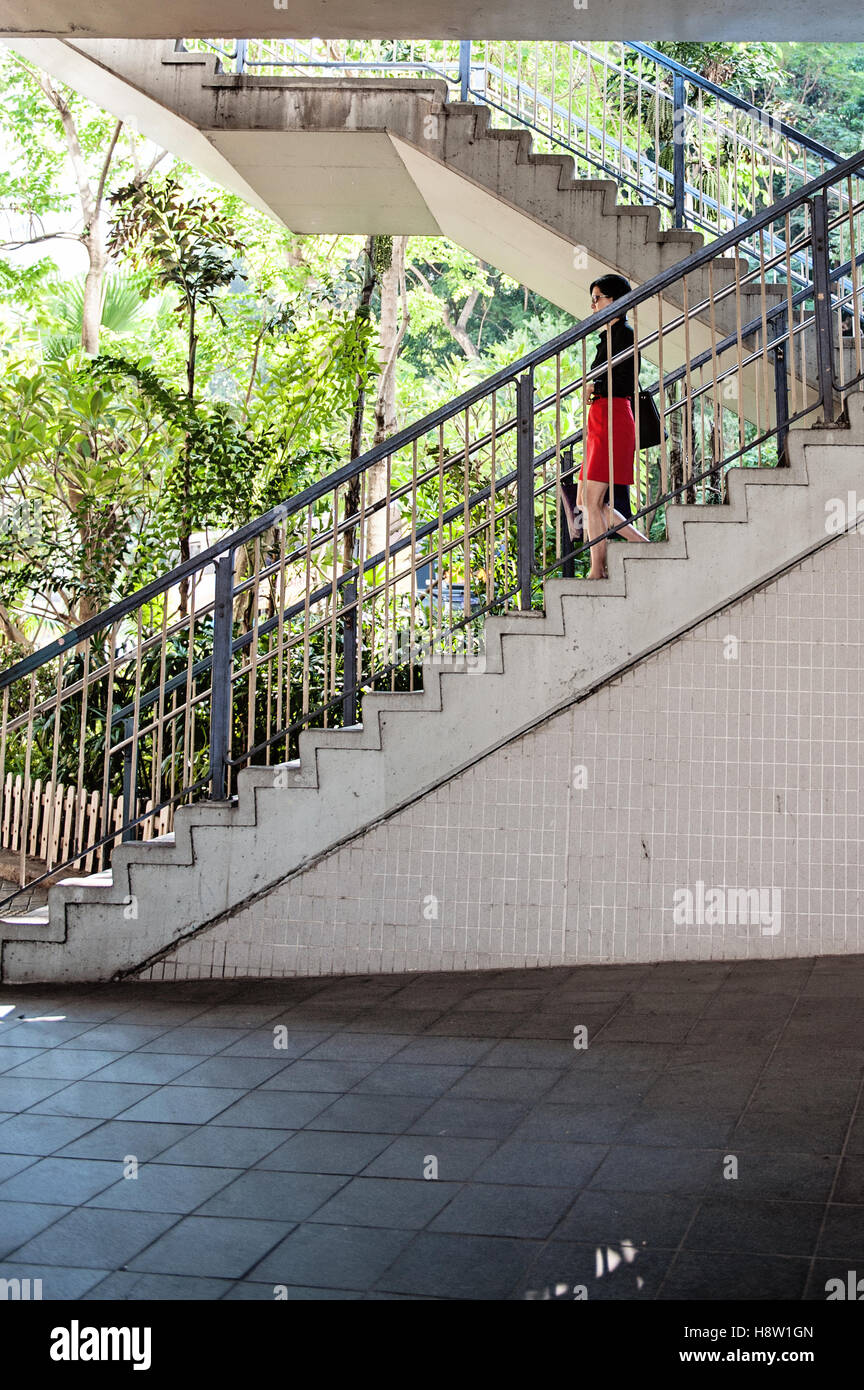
[394,156]
[545,19]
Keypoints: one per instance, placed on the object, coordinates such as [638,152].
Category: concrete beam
[545,19]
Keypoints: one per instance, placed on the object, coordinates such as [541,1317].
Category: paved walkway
[439,1136]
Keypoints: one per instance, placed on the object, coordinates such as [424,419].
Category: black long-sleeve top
[623,382]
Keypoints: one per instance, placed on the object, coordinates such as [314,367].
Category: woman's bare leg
[629,532]
[596,516]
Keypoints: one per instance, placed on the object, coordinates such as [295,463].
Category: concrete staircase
[389,156]
[286,818]
[366,155]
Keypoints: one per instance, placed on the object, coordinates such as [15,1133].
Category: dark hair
[612,286]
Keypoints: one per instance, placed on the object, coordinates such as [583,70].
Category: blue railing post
[241,53]
[822,304]
[679,135]
[220,689]
[525,487]
[464,69]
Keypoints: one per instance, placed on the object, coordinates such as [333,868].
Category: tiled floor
[439,1136]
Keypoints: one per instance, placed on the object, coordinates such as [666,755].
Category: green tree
[77,147]
[188,246]
[81,474]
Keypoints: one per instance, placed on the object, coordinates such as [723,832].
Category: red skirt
[596,466]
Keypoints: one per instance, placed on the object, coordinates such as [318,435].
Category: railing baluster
[221,689]
[525,487]
[679,135]
[464,69]
[822,305]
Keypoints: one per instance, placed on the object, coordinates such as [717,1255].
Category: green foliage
[186,243]
[123,310]
[824,92]
[94,459]
[751,70]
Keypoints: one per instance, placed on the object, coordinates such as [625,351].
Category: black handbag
[572,513]
[651,432]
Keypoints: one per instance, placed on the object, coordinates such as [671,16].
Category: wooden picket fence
[53,824]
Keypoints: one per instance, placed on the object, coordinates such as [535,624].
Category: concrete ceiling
[820,20]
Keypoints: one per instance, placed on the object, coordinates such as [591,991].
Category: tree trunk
[91,200]
[352,492]
[392,334]
[12,632]
[185,513]
[91,318]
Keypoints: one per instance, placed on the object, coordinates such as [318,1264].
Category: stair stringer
[536,664]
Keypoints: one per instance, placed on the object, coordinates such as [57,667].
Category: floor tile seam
[708,998]
[137,1009]
[150,1087]
[40,1052]
[702,1195]
[204,1056]
[238,1100]
[445,1235]
[404,1133]
[44,1231]
[433,1101]
[236,1170]
[829,1202]
[50,1052]
[692,1148]
[80,1159]
[415,1232]
[447,1094]
[102,1123]
[759,1079]
[697,1209]
[197,1212]
[629,994]
[264,1255]
[390,1062]
[122,1269]
[63,1143]
[168,1028]
[565,1215]
[94,1076]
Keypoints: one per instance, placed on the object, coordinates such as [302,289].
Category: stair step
[37,918]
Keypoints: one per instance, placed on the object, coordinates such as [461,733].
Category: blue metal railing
[764,148]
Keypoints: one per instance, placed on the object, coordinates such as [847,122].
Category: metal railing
[404,551]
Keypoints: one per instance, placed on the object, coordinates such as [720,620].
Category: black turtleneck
[622,373]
